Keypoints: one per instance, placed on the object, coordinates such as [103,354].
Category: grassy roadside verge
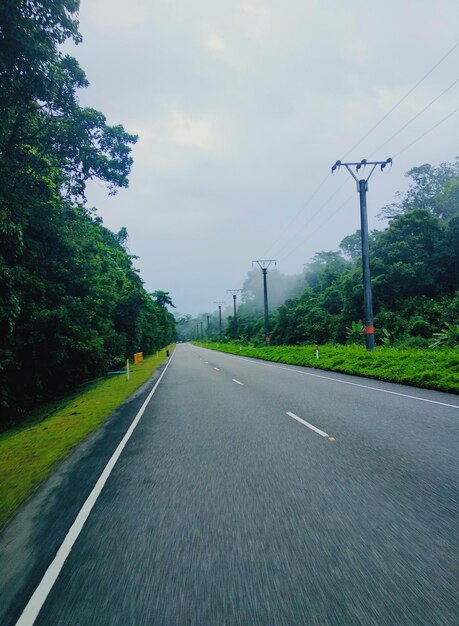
[29,453]
[432,369]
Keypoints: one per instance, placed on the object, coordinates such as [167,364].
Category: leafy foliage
[354,332]
[71,303]
[434,189]
[449,336]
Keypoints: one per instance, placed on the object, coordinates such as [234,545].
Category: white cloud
[215,43]
[193,133]
[115,16]
[254,19]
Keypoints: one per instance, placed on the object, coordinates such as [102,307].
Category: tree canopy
[71,303]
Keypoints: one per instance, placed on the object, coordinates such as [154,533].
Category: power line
[416,116]
[397,104]
[427,132]
[403,98]
[313,215]
[318,227]
[303,207]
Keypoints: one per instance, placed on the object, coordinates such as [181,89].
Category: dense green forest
[72,305]
[415,279]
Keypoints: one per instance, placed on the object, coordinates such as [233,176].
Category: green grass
[29,453]
[433,369]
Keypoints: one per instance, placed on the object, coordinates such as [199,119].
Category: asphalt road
[227,508]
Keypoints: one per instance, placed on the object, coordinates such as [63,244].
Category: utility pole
[234,293]
[208,326]
[263,265]
[219,318]
[202,333]
[362,188]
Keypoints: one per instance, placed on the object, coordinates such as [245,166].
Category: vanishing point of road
[247,493]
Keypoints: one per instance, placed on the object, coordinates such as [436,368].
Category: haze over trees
[72,305]
[414,268]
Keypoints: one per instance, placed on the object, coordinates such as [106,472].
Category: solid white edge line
[34,605]
[237,381]
[305,423]
[336,380]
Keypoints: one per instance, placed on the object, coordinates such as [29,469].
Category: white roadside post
[128,373]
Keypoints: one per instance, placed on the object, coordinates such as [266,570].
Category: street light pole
[234,293]
[264,264]
[362,188]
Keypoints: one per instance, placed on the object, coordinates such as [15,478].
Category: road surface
[248,493]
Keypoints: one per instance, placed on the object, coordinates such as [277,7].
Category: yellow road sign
[138,357]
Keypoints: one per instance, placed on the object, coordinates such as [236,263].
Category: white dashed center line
[237,381]
[340,382]
[305,423]
[216,368]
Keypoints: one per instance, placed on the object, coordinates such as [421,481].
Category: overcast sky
[241,108]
